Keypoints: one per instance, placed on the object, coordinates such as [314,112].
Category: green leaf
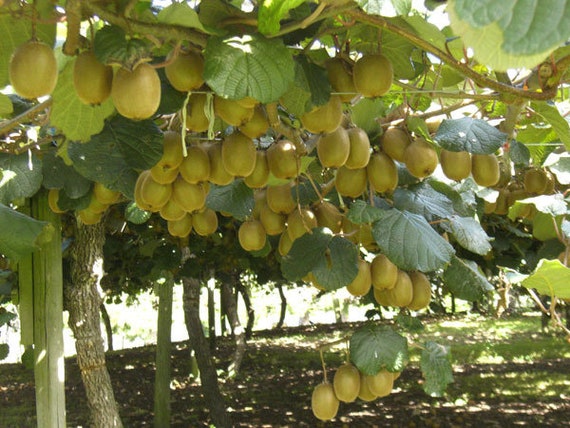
[437,371]
[510,34]
[67,203]
[560,167]
[552,205]
[365,113]
[272,12]
[77,121]
[305,253]
[6,106]
[410,242]
[361,212]
[253,66]
[339,265]
[520,154]
[399,51]
[471,135]
[461,196]
[385,7]
[552,116]
[135,215]
[377,347]
[424,200]
[470,235]
[58,175]
[465,281]
[409,323]
[551,278]
[543,226]
[20,176]
[317,81]
[235,198]
[6,317]
[21,234]
[180,14]
[4,350]
[111,46]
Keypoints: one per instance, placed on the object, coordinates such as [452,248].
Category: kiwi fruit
[420,158]
[105,195]
[382,173]
[285,243]
[340,78]
[166,169]
[299,222]
[280,198]
[401,294]
[325,118]
[333,148]
[33,70]
[184,72]
[350,182]
[421,295]
[238,154]
[502,202]
[381,383]
[372,75]
[154,194]
[188,196]
[248,102]
[324,403]
[257,126]
[171,211]
[535,181]
[195,168]
[196,119]
[358,233]
[231,112]
[346,383]
[218,173]
[273,222]
[283,160]
[394,142]
[384,272]
[136,93]
[382,296]
[180,228]
[53,198]
[485,169]
[260,174]
[455,165]
[251,235]
[91,79]
[362,283]
[205,222]
[364,392]
[137,192]
[359,153]
[328,215]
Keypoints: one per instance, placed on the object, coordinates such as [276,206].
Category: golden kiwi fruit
[171,211]
[394,142]
[325,118]
[184,72]
[485,169]
[381,383]
[324,403]
[196,119]
[273,223]
[136,93]
[351,182]
[257,125]
[89,217]
[105,195]
[328,215]
[420,158]
[205,222]
[421,294]
[333,148]
[364,393]
[373,75]
[166,169]
[340,78]
[232,112]
[218,173]
[238,154]
[53,198]
[285,243]
[195,168]
[299,222]
[382,172]
[535,181]
[180,228]
[359,153]
[153,194]
[362,283]
[188,196]
[455,165]
[91,79]
[384,272]
[251,235]
[283,159]
[280,198]
[260,174]
[33,69]
[346,383]
[401,294]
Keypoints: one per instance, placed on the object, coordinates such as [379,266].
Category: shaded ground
[275,384]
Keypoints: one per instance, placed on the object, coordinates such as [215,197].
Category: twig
[15,121]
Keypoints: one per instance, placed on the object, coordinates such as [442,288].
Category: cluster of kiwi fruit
[348,384]
[100,200]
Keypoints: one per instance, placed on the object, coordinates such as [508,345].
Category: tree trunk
[83,301]
[198,342]
[211,317]
[249,308]
[238,332]
[163,351]
[283,306]
[107,323]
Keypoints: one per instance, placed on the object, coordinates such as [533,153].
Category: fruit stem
[315,187]
[73,14]
[183,128]
[324,366]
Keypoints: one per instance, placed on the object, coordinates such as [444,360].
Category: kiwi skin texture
[33,70]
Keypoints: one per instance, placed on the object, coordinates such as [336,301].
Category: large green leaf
[560,167]
[305,253]
[471,135]
[339,265]
[21,234]
[58,175]
[553,117]
[435,364]
[464,281]
[386,7]
[77,121]
[365,114]
[361,212]
[510,34]
[410,242]
[272,12]
[180,14]
[551,278]
[470,235]
[423,199]
[552,205]
[545,226]
[374,347]
[235,198]
[20,176]
[112,46]
[253,66]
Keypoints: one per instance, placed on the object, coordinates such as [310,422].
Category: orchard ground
[507,373]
